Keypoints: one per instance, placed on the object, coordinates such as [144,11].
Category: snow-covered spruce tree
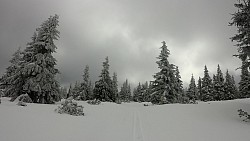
[37,72]
[146,92]
[138,94]
[235,88]
[70,91]
[230,92]
[125,93]
[214,81]
[207,87]
[129,93]
[141,93]
[199,89]
[179,86]
[91,91]
[218,85]
[241,19]
[9,89]
[70,107]
[86,85]
[115,88]
[63,92]
[192,91]
[103,87]
[244,84]
[164,85]
[185,99]
[77,92]
[135,94]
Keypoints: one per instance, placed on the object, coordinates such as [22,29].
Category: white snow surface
[206,121]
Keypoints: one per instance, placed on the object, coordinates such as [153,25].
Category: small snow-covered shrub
[147,104]
[193,102]
[12,99]
[21,103]
[118,102]
[94,102]
[70,107]
[24,98]
[244,114]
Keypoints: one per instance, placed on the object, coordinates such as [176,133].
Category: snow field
[212,121]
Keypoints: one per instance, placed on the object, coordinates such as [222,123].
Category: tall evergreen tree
[235,88]
[125,93]
[37,72]
[63,92]
[142,93]
[86,85]
[230,91]
[146,92]
[138,93]
[199,89]
[214,81]
[77,92]
[9,89]
[207,87]
[115,88]
[70,91]
[141,89]
[244,84]
[185,99]
[91,91]
[164,87]
[103,87]
[150,90]
[129,93]
[218,85]
[179,85]
[192,90]
[240,19]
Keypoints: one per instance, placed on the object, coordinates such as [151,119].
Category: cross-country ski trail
[137,130]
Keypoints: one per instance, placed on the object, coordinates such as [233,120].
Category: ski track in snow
[137,129]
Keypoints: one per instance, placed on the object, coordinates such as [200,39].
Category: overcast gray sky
[130,32]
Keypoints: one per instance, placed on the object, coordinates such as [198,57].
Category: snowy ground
[213,121]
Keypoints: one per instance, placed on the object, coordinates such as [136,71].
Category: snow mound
[24,98]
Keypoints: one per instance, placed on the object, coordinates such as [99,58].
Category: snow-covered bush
[193,101]
[70,107]
[244,114]
[21,103]
[23,98]
[118,102]
[94,102]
